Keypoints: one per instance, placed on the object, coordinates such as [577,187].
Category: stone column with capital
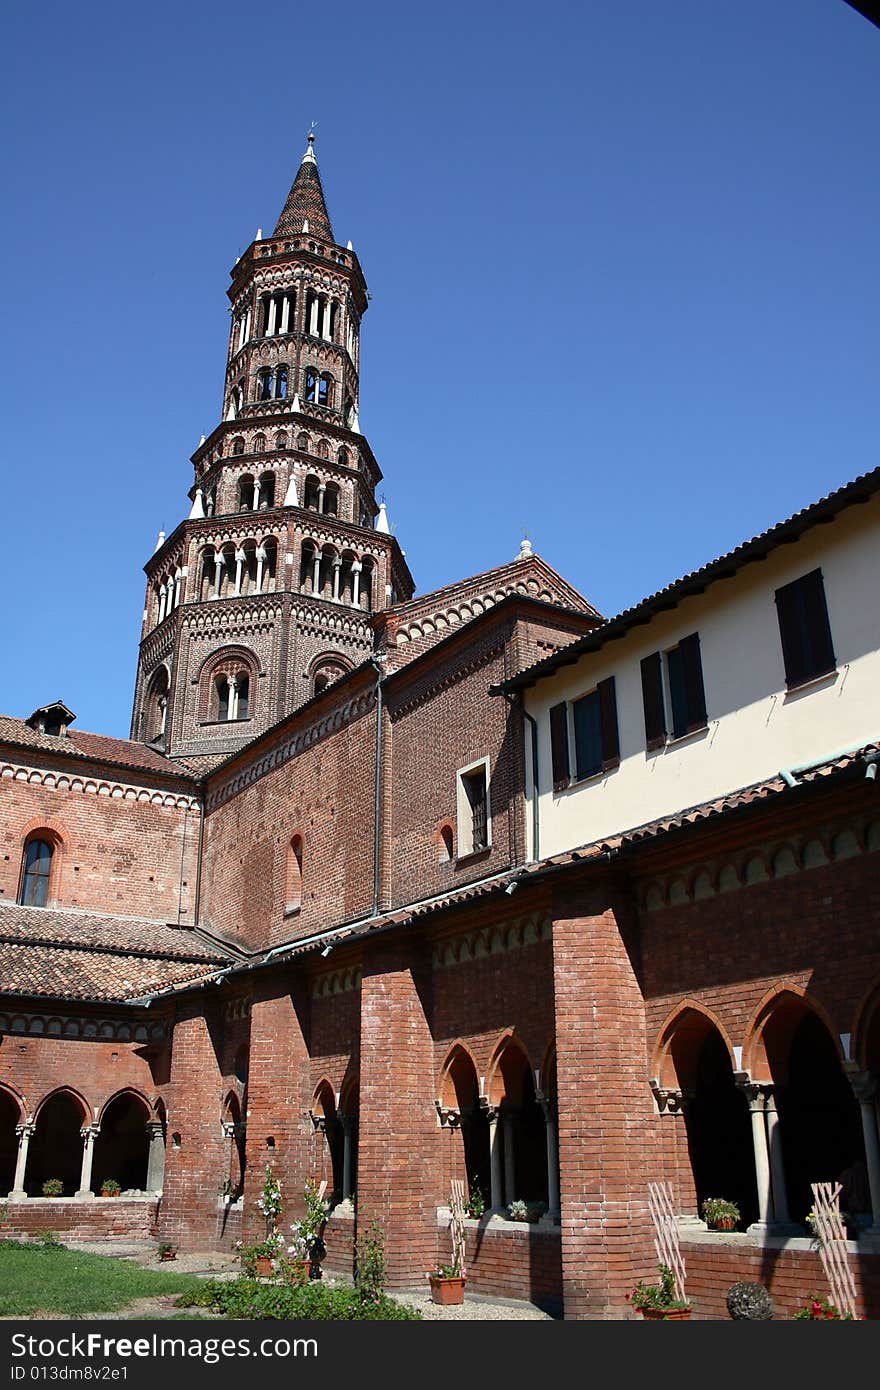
[155,1155]
[754,1092]
[23,1134]
[782,1223]
[496,1195]
[89,1134]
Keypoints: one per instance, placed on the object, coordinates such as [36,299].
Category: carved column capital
[25,1130]
[864,1085]
[448,1115]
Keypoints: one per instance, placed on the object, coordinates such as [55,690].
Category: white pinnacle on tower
[382,521]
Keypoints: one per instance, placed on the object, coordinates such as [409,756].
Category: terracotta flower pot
[297,1272]
[447,1288]
[263,1267]
[724,1223]
[168,1255]
[667,1314]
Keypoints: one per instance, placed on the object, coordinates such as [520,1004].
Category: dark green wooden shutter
[652,699]
[608,710]
[692,668]
[807,648]
[559,745]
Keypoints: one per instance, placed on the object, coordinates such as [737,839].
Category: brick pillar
[195,1154]
[400,1161]
[604,1104]
[278,1098]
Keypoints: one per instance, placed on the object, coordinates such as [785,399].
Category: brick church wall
[120,853]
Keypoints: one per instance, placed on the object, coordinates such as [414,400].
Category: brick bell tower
[264,595]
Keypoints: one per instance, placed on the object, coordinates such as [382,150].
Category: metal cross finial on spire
[309,156]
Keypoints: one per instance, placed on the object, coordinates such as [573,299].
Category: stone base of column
[343,1208]
[17,1194]
[689,1222]
[551,1218]
[774,1230]
[84,1196]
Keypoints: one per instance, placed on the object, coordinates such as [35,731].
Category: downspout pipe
[377,787]
[517,702]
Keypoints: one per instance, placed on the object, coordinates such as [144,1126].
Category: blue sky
[622,258]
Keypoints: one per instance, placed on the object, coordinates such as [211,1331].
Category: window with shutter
[804,629]
[559,746]
[596,740]
[652,699]
[687,696]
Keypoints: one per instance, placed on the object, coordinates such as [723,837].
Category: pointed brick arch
[509,1057]
[688,1021]
[789,999]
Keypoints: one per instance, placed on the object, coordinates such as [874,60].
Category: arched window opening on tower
[311,379]
[267,491]
[293,885]
[259,444]
[302,443]
[238,445]
[232,697]
[342,458]
[264,384]
[281,440]
[267,566]
[246,492]
[308,568]
[331,499]
[277,313]
[236,398]
[281,376]
[365,596]
[36,869]
[208,574]
[325,389]
[313,494]
[157,705]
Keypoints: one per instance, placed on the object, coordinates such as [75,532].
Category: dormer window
[51,719]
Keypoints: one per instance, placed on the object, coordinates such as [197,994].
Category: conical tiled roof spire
[305,201]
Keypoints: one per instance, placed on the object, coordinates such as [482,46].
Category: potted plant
[167,1251]
[308,1233]
[447,1283]
[719,1214]
[475,1206]
[110,1188]
[53,1187]
[258,1260]
[659,1300]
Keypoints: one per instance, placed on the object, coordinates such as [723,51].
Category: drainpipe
[788,774]
[518,703]
[377,789]
[197,906]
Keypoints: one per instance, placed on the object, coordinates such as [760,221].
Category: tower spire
[305,201]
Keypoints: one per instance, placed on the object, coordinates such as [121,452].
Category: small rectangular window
[596,741]
[804,629]
[474,822]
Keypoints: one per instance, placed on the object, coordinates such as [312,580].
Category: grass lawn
[49,1279]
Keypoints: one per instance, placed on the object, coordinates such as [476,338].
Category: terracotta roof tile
[105,931]
[121,752]
[60,973]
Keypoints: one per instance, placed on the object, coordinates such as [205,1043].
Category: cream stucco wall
[755,727]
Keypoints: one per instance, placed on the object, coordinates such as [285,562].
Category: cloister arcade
[63,1140]
[762,1122]
[503,1125]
